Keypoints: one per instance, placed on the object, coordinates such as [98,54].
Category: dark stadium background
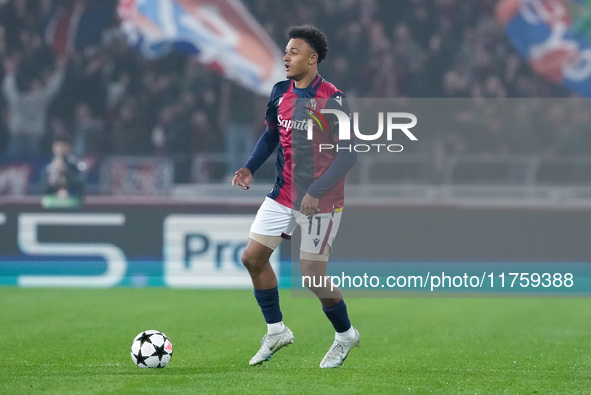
[498,182]
[161,135]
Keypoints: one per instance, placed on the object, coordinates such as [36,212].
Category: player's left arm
[343,162]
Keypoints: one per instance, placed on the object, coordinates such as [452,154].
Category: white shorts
[318,231]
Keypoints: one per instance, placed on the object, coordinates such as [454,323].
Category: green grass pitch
[77,341]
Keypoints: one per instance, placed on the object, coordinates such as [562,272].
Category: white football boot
[339,352]
[270,345]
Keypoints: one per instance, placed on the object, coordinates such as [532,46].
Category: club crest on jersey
[315,115]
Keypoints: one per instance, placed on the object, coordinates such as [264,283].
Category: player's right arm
[262,150]
[266,144]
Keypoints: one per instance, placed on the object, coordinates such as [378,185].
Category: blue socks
[337,315]
[268,300]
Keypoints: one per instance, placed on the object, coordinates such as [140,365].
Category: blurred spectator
[27,106]
[130,134]
[113,101]
[238,133]
[64,175]
[89,134]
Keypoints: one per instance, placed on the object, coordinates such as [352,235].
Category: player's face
[299,59]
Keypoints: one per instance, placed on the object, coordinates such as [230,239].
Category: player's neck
[306,80]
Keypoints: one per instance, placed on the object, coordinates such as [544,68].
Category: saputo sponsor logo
[289,124]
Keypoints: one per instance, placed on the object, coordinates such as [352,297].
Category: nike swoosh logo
[276,346]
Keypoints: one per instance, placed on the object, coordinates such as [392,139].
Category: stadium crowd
[111,101]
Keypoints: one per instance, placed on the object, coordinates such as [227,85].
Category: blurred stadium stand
[160,126]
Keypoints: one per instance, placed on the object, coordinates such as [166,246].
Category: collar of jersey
[311,87]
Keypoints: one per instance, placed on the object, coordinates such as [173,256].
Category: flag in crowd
[554,36]
[77,27]
[221,33]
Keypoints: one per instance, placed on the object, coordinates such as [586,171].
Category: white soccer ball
[151,349]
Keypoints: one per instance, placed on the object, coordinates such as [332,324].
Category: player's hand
[242,178]
[309,206]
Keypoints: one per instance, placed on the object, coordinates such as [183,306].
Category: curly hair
[313,36]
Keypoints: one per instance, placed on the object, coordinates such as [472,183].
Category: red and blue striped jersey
[300,161]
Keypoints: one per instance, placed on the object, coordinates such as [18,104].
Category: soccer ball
[151,349]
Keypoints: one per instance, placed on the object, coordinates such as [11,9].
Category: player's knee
[313,278]
[251,261]
[308,273]
[247,259]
